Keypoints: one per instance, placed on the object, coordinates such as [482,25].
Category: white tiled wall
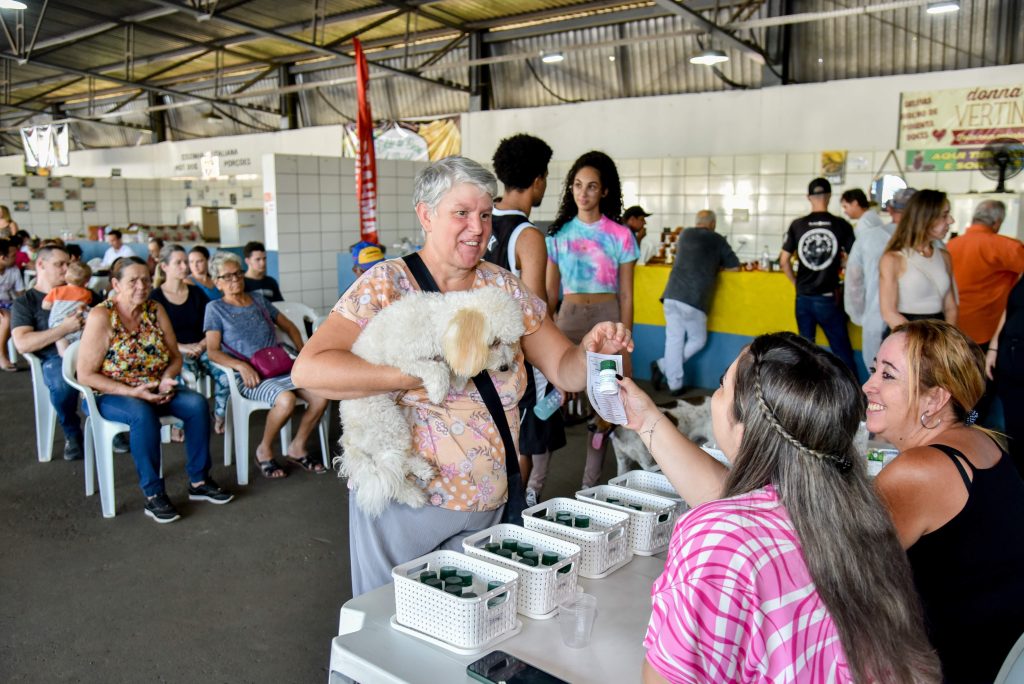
[771,187]
[315,216]
[118,201]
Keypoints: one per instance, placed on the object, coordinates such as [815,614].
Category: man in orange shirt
[986,266]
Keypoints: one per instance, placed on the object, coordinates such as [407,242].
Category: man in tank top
[521,164]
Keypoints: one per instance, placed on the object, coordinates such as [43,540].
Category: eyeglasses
[237,275]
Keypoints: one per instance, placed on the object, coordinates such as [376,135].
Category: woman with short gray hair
[459,437]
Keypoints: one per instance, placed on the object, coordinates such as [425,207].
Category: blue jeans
[64,399]
[815,310]
[143,419]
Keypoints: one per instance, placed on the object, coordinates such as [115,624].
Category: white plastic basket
[541,588]
[604,546]
[465,626]
[651,483]
[649,530]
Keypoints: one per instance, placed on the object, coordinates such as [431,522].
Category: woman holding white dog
[788,567]
[459,438]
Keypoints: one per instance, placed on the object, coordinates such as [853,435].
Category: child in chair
[66,300]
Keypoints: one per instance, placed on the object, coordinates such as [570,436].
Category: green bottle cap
[494,584]
[549,558]
[582,521]
[453,589]
[525,548]
[611,500]
[637,507]
[447,571]
[492,546]
[510,544]
[607,364]
[466,577]
[564,569]
[532,562]
[434,582]
[427,574]
[562,515]
[504,553]
[531,555]
[469,594]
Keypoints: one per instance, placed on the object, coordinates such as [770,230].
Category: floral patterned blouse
[136,357]
[459,437]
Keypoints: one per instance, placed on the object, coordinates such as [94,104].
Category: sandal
[218,425]
[307,464]
[270,469]
[177,434]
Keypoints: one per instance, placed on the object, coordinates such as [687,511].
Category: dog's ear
[465,342]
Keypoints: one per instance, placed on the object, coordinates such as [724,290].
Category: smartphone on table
[498,667]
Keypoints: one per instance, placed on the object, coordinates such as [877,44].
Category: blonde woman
[916,272]
[8,226]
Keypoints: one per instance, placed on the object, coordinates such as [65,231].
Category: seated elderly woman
[458,438]
[237,326]
[185,305]
[954,493]
[129,356]
[788,567]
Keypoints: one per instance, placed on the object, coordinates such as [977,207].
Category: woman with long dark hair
[788,567]
[590,261]
[915,275]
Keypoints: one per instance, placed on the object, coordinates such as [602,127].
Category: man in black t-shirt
[820,242]
[256,278]
[521,163]
[32,333]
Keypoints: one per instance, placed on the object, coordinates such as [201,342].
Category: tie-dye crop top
[588,255]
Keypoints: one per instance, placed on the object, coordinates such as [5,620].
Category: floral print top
[459,437]
[139,356]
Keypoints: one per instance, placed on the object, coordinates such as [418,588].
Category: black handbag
[516,503]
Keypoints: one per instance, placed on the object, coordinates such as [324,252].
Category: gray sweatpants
[402,533]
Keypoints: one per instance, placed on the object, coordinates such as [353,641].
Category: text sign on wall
[965,117]
[944,159]
[230,162]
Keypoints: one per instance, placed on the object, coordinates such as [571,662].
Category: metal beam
[69,117]
[298,42]
[134,84]
[157,120]
[408,7]
[724,37]
[82,34]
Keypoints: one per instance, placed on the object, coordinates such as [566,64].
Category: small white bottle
[607,383]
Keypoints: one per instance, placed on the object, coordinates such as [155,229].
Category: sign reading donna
[231,162]
[965,117]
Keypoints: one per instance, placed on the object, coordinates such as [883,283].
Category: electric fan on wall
[1001,159]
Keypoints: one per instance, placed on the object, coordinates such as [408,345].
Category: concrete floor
[246,592]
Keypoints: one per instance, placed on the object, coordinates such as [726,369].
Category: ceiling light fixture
[943,7]
[552,58]
[709,57]
[12,4]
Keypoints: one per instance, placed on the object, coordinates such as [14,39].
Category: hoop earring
[924,424]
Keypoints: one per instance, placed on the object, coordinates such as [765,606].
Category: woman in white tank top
[916,272]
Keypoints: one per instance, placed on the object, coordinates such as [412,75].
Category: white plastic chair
[12,351]
[99,437]
[46,416]
[1012,671]
[298,314]
[236,429]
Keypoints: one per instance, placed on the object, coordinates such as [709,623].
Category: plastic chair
[46,416]
[236,429]
[99,437]
[1012,671]
[12,351]
[298,314]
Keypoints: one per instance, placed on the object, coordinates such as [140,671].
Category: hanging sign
[366,161]
[944,159]
[964,117]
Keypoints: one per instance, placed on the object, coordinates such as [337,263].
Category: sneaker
[161,509]
[209,491]
[73,450]
[121,443]
[531,498]
[657,377]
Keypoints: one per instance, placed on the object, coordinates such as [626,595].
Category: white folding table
[369,650]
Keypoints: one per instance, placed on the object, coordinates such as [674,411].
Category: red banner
[366,160]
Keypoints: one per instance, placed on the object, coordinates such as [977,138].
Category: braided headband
[842,463]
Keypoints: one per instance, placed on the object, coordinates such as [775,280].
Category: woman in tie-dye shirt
[590,261]
[788,568]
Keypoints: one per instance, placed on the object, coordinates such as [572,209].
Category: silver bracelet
[650,435]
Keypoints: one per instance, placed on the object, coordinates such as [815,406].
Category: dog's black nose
[504,369]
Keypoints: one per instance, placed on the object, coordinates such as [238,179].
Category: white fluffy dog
[443,339]
[693,420]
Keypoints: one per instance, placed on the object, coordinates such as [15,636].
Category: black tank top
[503,226]
[970,573]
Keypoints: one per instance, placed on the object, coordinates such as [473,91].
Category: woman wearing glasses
[237,326]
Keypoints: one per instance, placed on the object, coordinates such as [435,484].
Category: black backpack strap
[482,380]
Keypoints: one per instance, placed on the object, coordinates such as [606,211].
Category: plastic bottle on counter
[766,259]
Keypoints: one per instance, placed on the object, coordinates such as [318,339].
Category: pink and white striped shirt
[736,602]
